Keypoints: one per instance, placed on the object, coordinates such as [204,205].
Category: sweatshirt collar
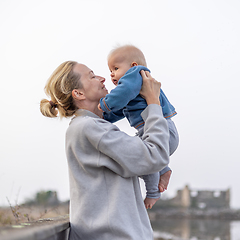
[85,113]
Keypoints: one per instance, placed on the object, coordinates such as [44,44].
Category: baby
[125,64]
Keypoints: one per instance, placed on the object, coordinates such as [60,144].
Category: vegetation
[44,198]
[43,204]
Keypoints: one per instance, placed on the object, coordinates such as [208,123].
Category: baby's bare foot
[149,202]
[164,180]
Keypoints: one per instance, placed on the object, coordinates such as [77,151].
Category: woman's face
[93,85]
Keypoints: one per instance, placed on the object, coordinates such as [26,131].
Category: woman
[104,163]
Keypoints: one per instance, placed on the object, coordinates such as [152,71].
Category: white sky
[192,47]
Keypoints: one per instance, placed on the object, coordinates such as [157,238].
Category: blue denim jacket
[125,101]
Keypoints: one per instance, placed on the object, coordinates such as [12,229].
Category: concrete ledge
[43,229]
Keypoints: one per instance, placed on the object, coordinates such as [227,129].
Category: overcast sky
[191,47]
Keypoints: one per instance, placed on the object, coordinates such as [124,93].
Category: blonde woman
[104,163]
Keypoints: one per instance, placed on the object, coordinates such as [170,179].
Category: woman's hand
[150,90]
[99,107]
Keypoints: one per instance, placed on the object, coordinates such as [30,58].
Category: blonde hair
[130,53]
[59,88]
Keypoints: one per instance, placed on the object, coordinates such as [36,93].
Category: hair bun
[53,104]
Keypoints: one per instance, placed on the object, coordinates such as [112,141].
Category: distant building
[200,199]
[46,198]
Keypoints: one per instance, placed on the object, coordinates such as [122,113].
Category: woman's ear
[77,94]
[133,64]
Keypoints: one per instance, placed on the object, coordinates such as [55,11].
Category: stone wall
[199,199]
[43,229]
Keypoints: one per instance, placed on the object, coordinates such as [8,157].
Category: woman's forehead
[82,69]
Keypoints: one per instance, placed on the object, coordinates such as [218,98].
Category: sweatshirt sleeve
[127,89]
[130,156]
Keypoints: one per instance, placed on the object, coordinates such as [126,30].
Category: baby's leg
[165,174]
[153,193]
[173,137]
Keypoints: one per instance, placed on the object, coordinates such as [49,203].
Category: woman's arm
[126,155]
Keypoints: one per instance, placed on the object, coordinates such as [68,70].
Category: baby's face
[118,67]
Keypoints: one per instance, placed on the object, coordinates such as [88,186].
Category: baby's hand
[99,107]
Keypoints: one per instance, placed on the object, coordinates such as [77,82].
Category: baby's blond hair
[129,53]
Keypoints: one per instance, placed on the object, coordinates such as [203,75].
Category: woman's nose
[101,79]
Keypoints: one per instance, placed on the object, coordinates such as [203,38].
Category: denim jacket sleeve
[113,116]
[127,89]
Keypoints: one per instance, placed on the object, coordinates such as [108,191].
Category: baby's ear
[134,64]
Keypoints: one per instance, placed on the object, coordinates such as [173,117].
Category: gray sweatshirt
[104,164]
